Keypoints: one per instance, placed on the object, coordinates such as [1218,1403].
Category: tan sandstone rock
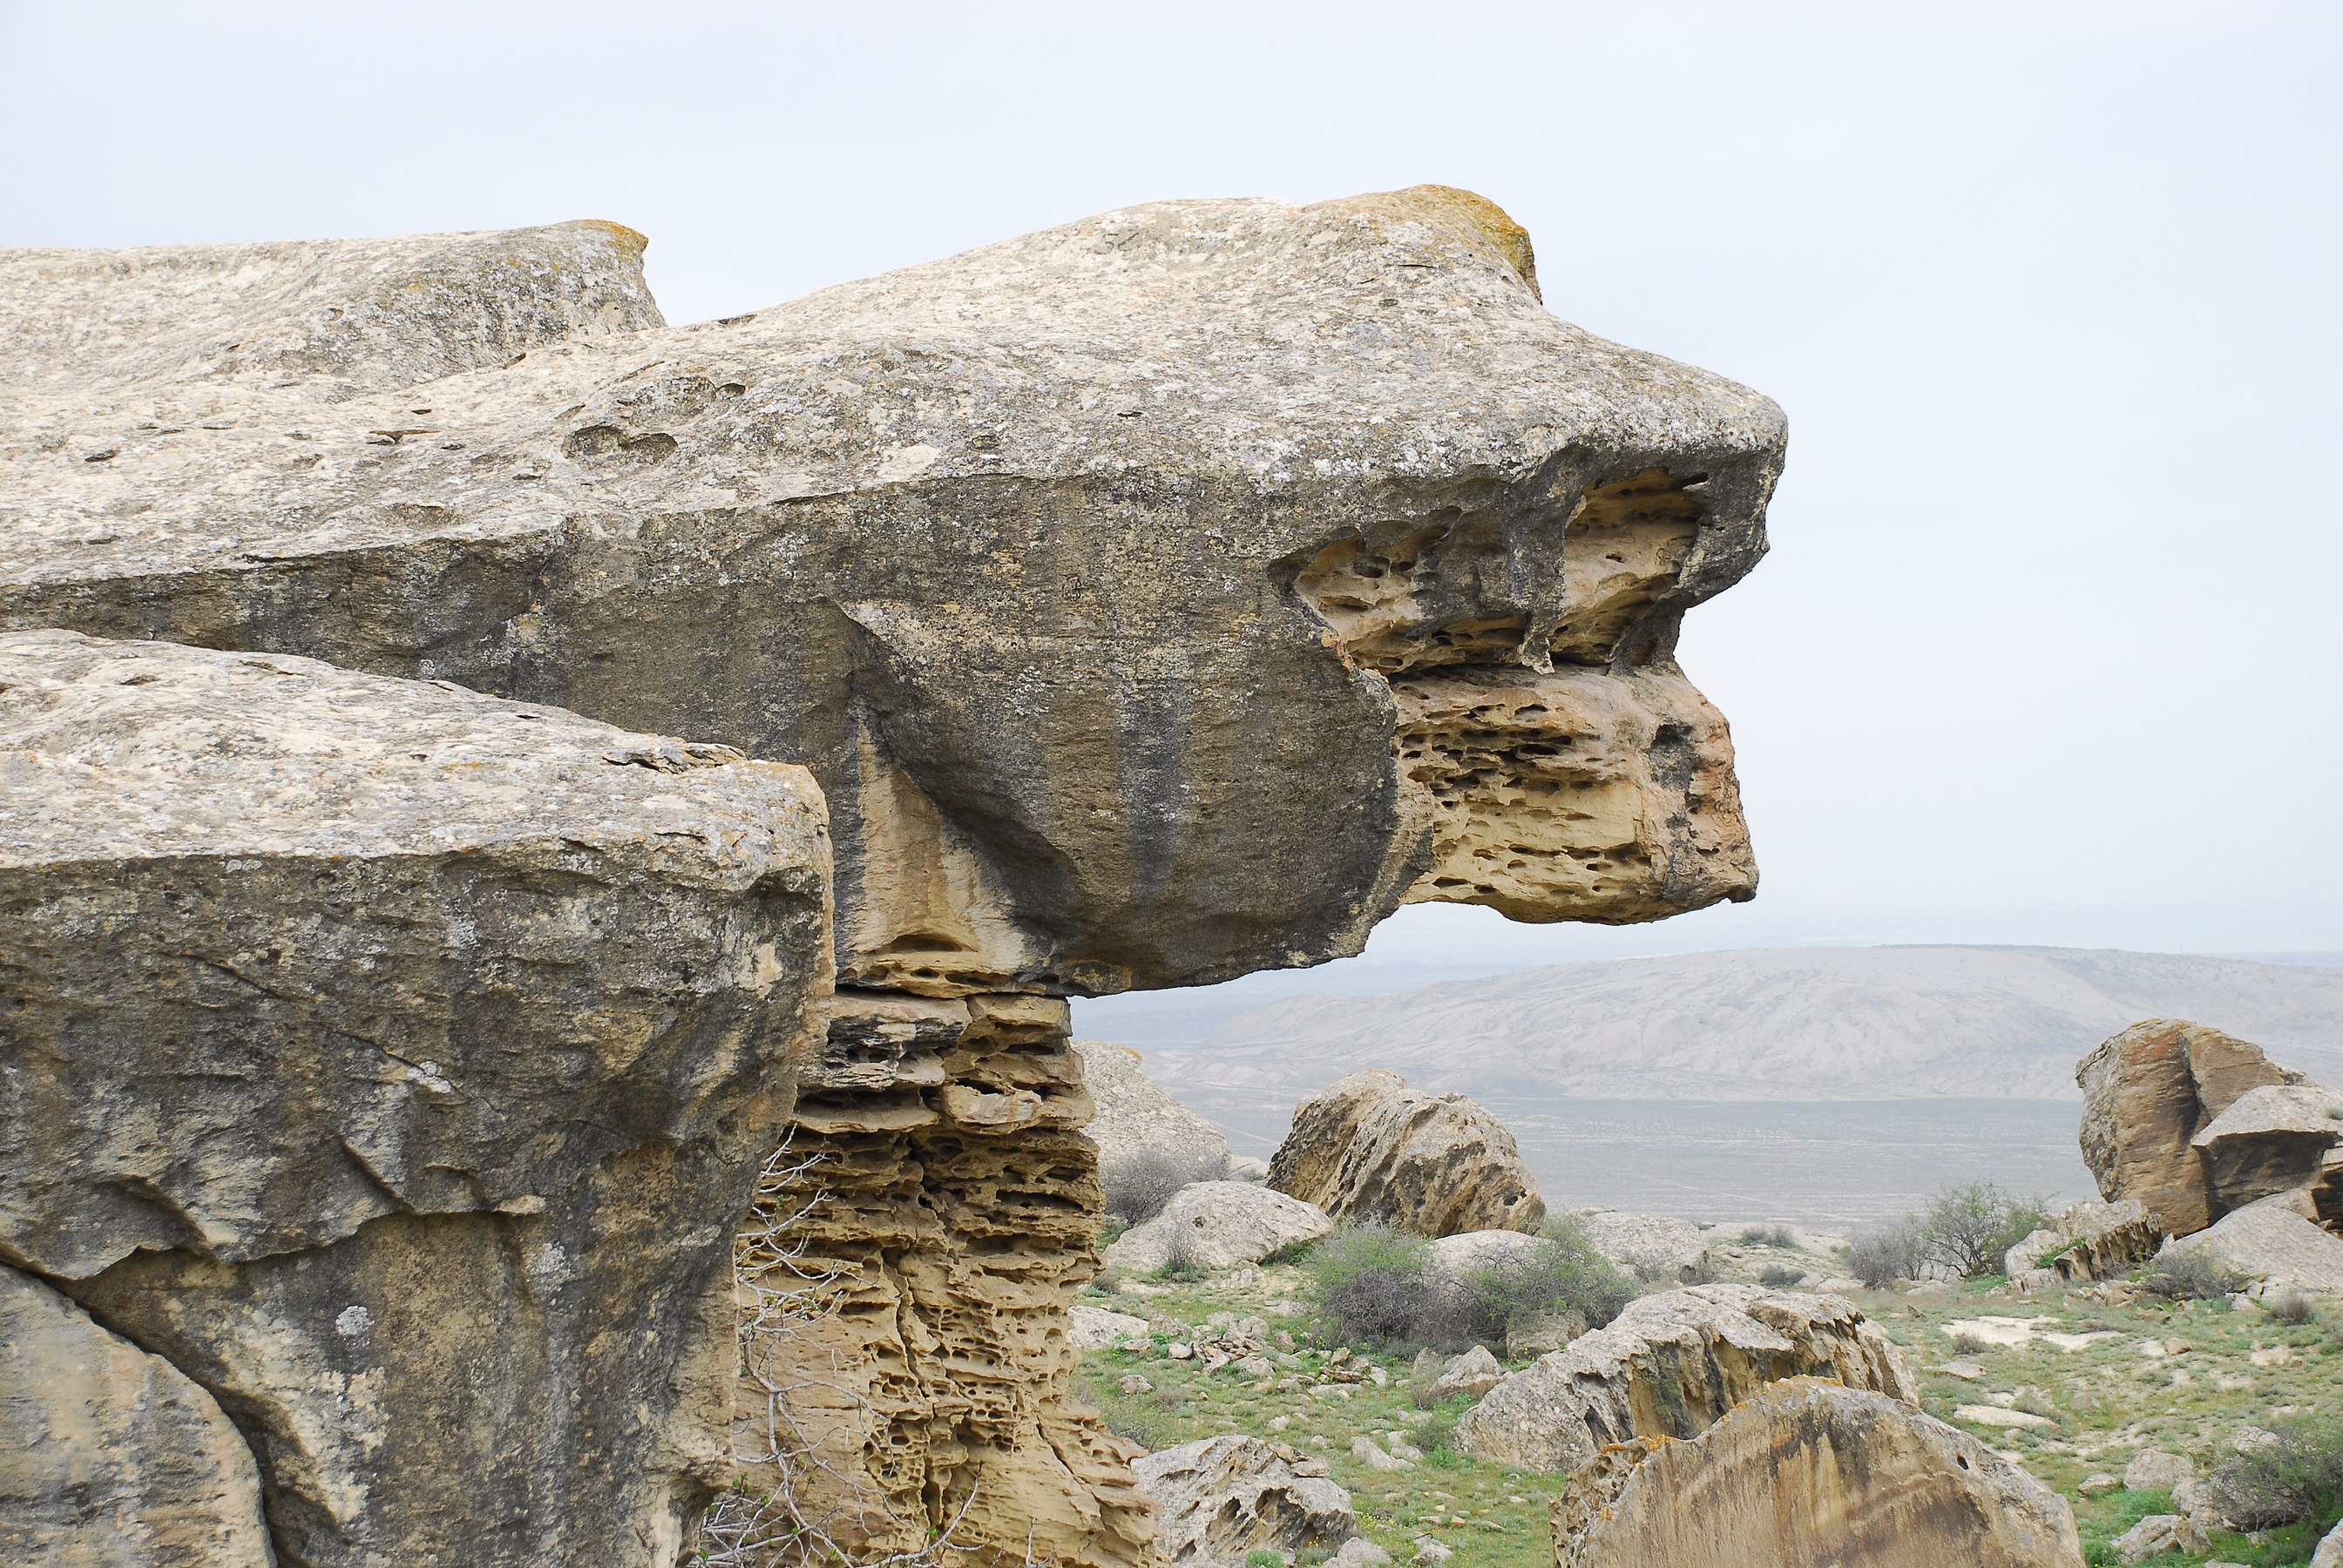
[2089,1240]
[2276,1138]
[2271,1243]
[1651,1246]
[369,1028]
[1218,1225]
[1370,1148]
[2148,1092]
[1136,1119]
[1671,1364]
[1807,1473]
[110,1457]
[1219,1498]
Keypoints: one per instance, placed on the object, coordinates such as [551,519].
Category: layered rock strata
[2091,1240]
[1669,1366]
[1807,1473]
[394,1063]
[1223,1498]
[2148,1092]
[2280,1138]
[1370,1148]
[938,1205]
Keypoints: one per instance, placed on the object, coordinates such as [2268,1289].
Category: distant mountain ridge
[1771,1024]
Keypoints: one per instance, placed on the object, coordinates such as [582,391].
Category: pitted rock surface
[370,1028]
[1810,1475]
[2148,1092]
[1671,1364]
[110,1457]
[1370,1148]
[1157,599]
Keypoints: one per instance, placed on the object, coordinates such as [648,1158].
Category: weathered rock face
[1809,1474]
[1218,1225]
[1369,1148]
[2148,1092]
[1223,1497]
[364,1029]
[110,1457]
[2274,1245]
[2092,1241]
[1653,1246]
[1134,1118]
[950,1209]
[2276,1138]
[1156,598]
[1671,1364]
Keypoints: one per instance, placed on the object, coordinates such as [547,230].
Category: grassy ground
[2218,1369]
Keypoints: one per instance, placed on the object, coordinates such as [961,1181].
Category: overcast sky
[2048,647]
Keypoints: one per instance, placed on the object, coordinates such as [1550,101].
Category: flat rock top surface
[113,751]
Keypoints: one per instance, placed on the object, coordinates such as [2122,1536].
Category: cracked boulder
[2148,1092]
[1670,1365]
[1220,1499]
[394,1063]
[1807,1474]
[1369,1149]
[1156,598]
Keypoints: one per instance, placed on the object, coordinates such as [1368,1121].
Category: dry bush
[1138,1185]
[1886,1252]
[2294,1474]
[2191,1277]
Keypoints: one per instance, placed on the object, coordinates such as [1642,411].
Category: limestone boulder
[1218,1225]
[1807,1473]
[1219,1498]
[2148,1092]
[1473,1374]
[1650,1246]
[2271,1243]
[2089,1240]
[1459,1257]
[2330,1550]
[363,1030]
[2275,1138]
[1369,1149]
[2154,1470]
[1136,1122]
[1092,1328]
[1156,598]
[1671,1364]
[111,1457]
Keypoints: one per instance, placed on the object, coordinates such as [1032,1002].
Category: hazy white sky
[2047,647]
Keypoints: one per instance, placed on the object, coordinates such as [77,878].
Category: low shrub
[1562,1273]
[1886,1252]
[1180,1263]
[1371,1283]
[1965,1230]
[1769,1236]
[1137,1186]
[2293,1475]
[1779,1276]
[2292,1308]
[2191,1277]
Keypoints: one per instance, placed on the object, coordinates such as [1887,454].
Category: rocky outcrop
[2089,1241]
[110,1457]
[1810,1475]
[364,1029]
[1220,1497]
[940,1199]
[1085,570]
[1218,1225]
[2280,1138]
[1670,1365]
[2272,1244]
[1474,1373]
[2148,1092]
[1135,1120]
[1650,1246]
[1369,1149]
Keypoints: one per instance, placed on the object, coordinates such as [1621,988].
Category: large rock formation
[1370,1148]
[2091,1240]
[1136,1121]
[1671,1364]
[2148,1092]
[1221,1498]
[1155,599]
[1219,1225]
[394,1063]
[2272,1244]
[111,1457]
[2280,1138]
[1809,1474]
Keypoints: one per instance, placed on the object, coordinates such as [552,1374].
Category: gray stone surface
[2271,1140]
[1135,1118]
[109,1457]
[1218,1225]
[2089,1241]
[1370,1148]
[396,1062]
[1218,1498]
[1156,598]
[2272,1244]
[1671,1364]
[1651,1246]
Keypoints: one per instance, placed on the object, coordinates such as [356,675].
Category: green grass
[2109,1400]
